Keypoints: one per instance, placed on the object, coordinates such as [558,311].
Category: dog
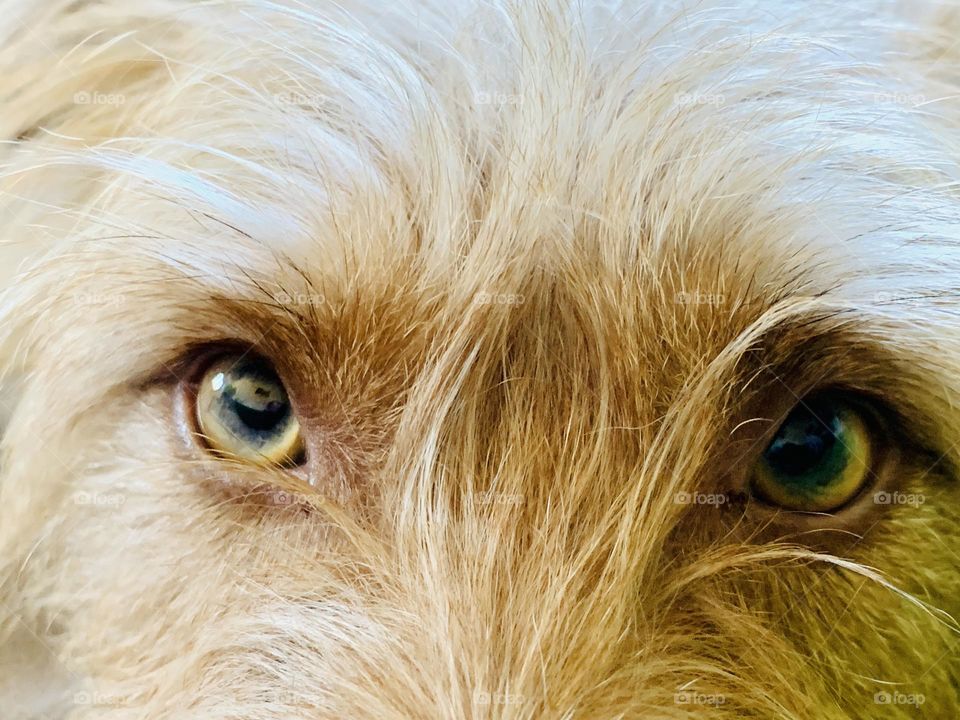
[501,359]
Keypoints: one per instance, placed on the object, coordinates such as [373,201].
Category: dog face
[477,361]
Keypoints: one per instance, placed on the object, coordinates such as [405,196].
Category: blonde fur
[534,270]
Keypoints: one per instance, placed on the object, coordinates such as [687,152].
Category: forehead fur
[428,148]
[554,251]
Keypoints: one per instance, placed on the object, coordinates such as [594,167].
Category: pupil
[804,442]
[256,398]
[260,419]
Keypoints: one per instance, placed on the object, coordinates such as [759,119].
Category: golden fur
[536,273]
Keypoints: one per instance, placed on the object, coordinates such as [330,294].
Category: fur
[532,270]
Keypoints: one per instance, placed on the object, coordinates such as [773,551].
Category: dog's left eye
[820,458]
[243,411]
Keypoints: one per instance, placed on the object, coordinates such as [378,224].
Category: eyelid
[830,530]
[180,381]
[753,430]
[183,367]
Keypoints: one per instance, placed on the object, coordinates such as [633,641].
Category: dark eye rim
[194,370]
[887,443]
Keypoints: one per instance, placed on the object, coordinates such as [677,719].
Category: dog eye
[819,459]
[242,411]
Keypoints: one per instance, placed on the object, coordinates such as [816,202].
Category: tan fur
[532,271]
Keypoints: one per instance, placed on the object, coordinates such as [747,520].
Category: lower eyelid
[756,435]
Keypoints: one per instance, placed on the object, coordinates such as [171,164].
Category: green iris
[818,460]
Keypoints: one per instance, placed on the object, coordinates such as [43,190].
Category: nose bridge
[551,432]
[525,560]
[543,458]
[564,410]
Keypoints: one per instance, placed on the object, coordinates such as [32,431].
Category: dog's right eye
[242,411]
